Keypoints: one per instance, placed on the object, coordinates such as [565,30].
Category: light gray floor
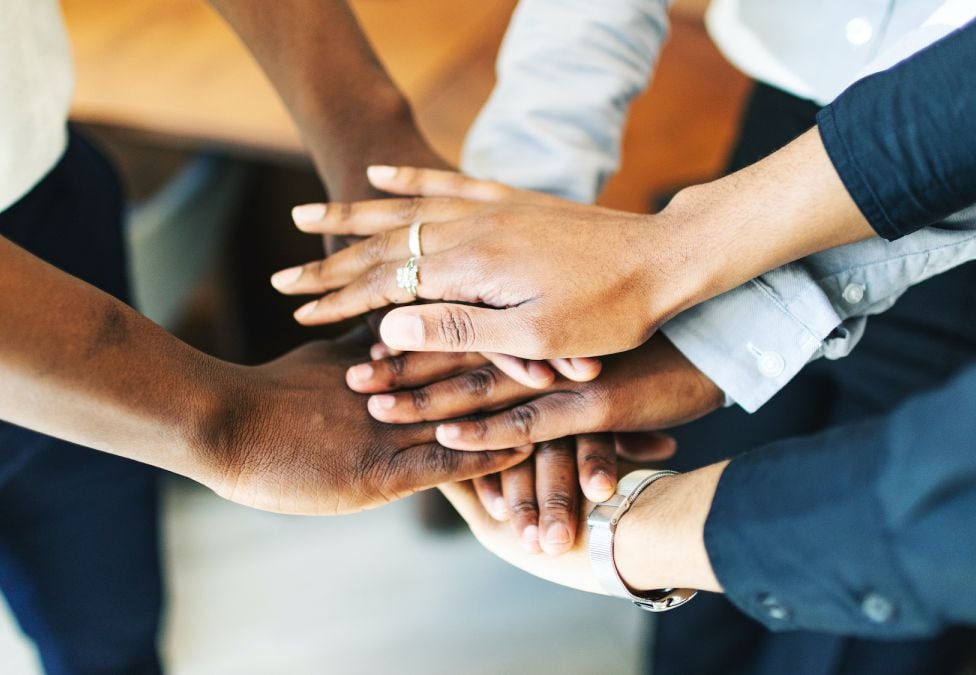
[256,593]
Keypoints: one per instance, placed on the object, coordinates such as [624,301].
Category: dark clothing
[79,553]
[926,337]
[866,529]
[904,140]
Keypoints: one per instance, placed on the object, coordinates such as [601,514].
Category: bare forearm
[788,206]
[348,109]
[77,364]
[660,542]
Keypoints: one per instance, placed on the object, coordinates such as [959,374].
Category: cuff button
[853,293]
[774,608]
[771,364]
[877,608]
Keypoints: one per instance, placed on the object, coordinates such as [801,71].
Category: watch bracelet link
[602,523]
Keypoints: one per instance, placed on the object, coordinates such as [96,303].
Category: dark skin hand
[563,420]
[652,387]
[286,436]
[349,111]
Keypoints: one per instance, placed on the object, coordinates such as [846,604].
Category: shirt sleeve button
[774,608]
[877,608]
[771,364]
[853,293]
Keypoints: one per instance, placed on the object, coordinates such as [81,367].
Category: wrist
[783,208]
[384,131]
[219,435]
[660,542]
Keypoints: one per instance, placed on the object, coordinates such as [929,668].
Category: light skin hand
[659,543]
[541,496]
[520,268]
[652,387]
[312,49]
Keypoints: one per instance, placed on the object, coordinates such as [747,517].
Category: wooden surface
[172,68]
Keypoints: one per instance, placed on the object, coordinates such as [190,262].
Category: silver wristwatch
[602,523]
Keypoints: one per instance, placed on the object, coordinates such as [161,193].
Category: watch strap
[602,523]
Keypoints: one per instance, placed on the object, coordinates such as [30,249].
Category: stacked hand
[553,279]
[652,387]
[290,437]
[508,251]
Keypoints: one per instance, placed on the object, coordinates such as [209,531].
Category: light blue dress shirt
[567,73]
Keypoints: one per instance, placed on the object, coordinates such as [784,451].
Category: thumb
[459,328]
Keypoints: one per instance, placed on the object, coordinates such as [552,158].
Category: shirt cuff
[786,539]
[749,341]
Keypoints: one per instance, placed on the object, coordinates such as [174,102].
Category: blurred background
[213,166]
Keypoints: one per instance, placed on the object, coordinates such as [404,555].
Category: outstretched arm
[349,111]
[865,529]
[286,436]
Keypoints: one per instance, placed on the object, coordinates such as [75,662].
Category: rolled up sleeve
[865,530]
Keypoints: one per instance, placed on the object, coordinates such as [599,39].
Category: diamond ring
[406,276]
[413,240]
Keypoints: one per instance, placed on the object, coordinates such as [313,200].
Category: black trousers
[929,334]
[79,551]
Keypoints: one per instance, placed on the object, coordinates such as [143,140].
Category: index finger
[367,218]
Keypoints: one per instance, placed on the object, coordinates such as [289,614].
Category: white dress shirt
[567,73]
[36,83]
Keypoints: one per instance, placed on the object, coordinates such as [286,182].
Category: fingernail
[381,173]
[601,484]
[447,433]
[540,372]
[530,537]
[285,278]
[377,352]
[498,508]
[403,332]
[308,213]
[361,373]
[557,534]
[582,365]
[384,401]
[305,310]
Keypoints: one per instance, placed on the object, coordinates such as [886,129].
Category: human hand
[541,496]
[547,262]
[572,568]
[289,437]
[652,387]
[658,544]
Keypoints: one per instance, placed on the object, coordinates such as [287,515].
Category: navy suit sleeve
[904,140]
[866,529]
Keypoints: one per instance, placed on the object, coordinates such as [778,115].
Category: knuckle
[343,211]
[558,500]
[408,208]
[552,449]
[375,280]
[420,398]
[374,248]
[440,461]
[397,365]
[524,506]
[456,329]
[523,419]
[480,381]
